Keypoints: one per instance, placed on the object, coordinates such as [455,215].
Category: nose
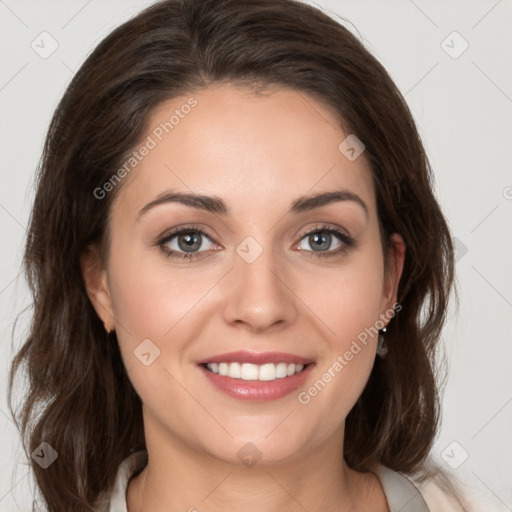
[257,294]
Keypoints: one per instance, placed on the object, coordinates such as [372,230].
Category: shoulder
[457,491]
[440,490]
[115,501]
[413,493]
[439,499]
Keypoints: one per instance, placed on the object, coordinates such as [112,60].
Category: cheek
[156,300]
[149,299]
[162,306]
[348,300]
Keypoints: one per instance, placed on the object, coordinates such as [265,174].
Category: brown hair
[79,397]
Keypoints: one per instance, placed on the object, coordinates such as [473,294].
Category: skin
[259,153]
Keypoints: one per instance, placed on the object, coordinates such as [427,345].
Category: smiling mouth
[255,372]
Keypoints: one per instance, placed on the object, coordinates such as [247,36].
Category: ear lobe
[96,285]
[395,266]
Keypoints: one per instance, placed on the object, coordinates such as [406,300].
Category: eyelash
[347,241]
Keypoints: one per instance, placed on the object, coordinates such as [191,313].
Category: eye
[185,242]
[189,242]
[325,241]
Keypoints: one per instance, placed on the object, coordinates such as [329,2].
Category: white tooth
[214,367]
[267,372]
[281,370]
[249,371]
[234,370]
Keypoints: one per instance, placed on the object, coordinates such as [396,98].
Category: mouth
[256,376]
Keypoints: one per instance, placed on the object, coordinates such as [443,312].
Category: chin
[250,450]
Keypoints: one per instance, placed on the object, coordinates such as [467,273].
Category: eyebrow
[216,205]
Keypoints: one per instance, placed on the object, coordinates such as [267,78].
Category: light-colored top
[401,493]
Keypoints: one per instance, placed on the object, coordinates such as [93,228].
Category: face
[256,278]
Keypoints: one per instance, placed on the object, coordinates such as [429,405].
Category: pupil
[189,241]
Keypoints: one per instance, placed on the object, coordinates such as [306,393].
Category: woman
[240,274]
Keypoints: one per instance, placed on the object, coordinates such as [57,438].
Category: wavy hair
[79,398]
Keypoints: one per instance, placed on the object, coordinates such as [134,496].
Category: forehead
[254,150]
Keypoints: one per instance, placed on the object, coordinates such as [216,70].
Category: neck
[179,477]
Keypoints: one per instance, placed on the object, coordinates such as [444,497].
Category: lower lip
[258,390]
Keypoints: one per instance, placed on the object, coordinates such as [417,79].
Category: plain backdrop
[451,60]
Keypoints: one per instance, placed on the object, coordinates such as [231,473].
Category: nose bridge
[257,294]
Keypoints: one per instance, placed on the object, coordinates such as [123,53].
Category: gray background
[462,102]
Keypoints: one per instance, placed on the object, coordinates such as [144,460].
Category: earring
[382,348]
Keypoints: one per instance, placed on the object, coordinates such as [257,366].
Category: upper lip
[259,358]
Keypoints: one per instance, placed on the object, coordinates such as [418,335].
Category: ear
[96,285]
[393,271]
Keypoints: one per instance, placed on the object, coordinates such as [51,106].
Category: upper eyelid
[325,227]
